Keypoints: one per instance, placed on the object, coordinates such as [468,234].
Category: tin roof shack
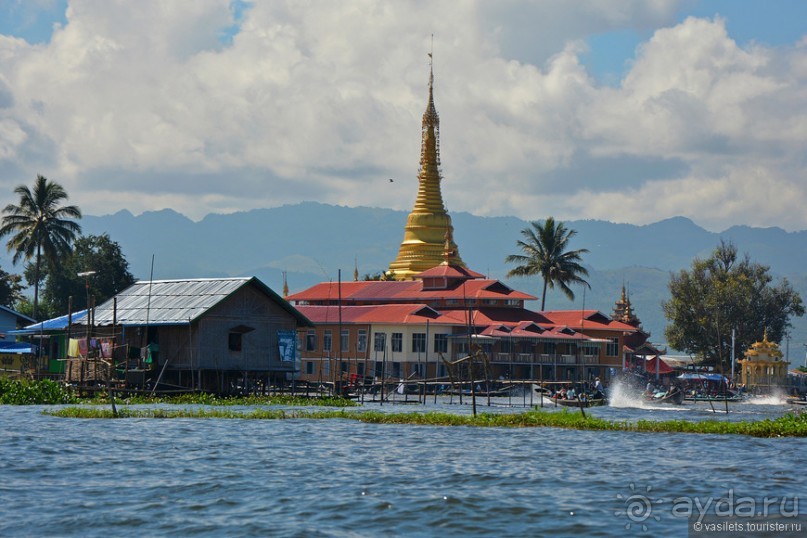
[219,335]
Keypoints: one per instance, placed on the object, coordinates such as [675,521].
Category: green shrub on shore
[790,425]
[203,398]
[43,392]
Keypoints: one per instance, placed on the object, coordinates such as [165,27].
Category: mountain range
[313,242]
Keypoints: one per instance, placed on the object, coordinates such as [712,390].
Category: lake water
[342,478]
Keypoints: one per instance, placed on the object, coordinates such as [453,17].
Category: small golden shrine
[428,225]
[763,364]
[623,311]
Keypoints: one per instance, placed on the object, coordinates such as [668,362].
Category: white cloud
[322,101]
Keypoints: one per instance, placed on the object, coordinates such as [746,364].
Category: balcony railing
[543,358]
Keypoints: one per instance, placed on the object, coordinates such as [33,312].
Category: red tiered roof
[400,314]
[408,291]
[586,319]
[450,271]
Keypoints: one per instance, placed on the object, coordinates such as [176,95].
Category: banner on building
[287,345]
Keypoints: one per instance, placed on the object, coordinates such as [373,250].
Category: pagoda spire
[428,224]
[623,310]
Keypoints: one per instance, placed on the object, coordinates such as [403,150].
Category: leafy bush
[43,392]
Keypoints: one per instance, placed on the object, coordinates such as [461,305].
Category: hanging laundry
[72,348]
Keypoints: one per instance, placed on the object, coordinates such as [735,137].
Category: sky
[623,110]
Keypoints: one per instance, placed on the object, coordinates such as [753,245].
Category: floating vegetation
[42,392]
[790,425]
[203,398]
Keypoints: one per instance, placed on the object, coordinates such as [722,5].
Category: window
[589,349]
[234,341]
[550,348]
[344,340]
[419,343]
[361,347]
[360,368]
[309,367]
[397,342]
[612,347]
[379,341]
[343,366]
[441,343]
[234,337]
[326,368]
[396,369]
[311,341]
[327,341]
[418,369]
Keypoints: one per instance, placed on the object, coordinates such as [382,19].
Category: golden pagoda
[763,365]
[428,226]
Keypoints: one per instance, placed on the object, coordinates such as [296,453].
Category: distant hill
[313,241]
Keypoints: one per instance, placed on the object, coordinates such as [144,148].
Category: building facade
[435,311]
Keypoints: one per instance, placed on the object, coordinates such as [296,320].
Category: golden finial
[285,286]
[356,269]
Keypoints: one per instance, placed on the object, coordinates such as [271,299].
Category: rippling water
[341,478]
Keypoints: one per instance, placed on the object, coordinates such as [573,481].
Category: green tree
[10,289]
[40,226]
[379,275]
[96,253]
[545,253]
[724,293]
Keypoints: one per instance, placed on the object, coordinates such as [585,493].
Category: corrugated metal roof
[175,302]
[166,302]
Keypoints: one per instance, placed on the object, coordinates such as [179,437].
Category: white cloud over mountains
[145,105]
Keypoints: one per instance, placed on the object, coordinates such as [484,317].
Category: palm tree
[545,254]
[39,227]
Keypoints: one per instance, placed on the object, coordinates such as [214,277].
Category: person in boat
[571,394]
[599,393]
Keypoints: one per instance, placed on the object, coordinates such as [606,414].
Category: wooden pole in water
[541,378]
[112,355]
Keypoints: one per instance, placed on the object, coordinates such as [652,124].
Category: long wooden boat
[715,398]
[796,401]
[586,402]
[674,396]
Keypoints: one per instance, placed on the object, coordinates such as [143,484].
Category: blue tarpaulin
[703,377]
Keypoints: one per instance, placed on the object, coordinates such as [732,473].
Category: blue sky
[624,110]
[777,23]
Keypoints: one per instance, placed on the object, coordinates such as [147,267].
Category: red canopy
[657,365]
